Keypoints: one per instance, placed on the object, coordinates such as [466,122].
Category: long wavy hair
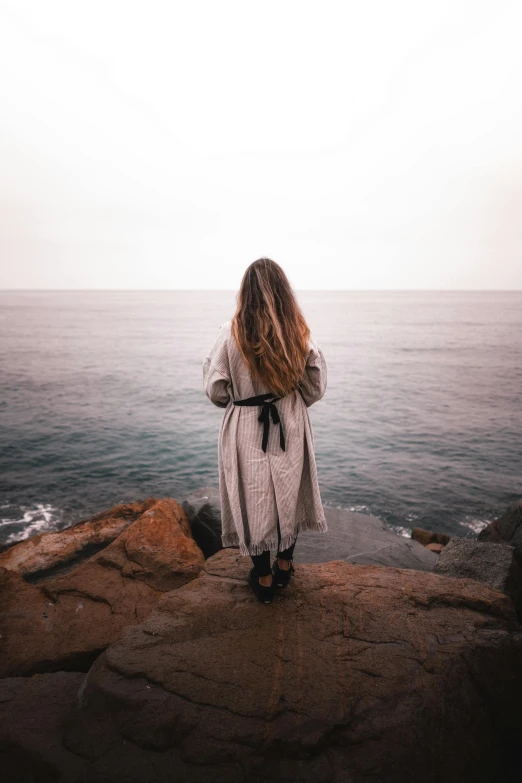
[269,328]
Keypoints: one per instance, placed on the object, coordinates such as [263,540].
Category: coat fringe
[232,539]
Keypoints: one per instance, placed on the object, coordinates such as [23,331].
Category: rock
[437,548]
[158,549]
[65,621]
[507,528]
[51,553]
[498,565]
[31,713]
[426,537]
[354,673]
[361,538]
[203,510]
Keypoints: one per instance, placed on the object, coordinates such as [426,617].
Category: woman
[266,370]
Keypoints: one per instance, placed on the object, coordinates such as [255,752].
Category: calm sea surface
[101,402]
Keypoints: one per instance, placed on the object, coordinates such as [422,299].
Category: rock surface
[437,548]
[498,565]
[65,621]
[56,552]
[32,710]
[507,528]
[361,538]
[33,713]
[354,673]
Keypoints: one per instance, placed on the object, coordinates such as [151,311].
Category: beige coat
[257,487]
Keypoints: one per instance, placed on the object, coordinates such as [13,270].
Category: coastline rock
[506,529]
[498,565]
[354,673]
[203,510]
[364,539]
[426,537]
[437,548]
[58,551]
[31,713]
[64,622]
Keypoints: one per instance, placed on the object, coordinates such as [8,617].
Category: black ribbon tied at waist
[269,409]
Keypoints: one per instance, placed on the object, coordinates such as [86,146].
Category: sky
[167,145]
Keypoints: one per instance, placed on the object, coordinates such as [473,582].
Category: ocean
[101,402]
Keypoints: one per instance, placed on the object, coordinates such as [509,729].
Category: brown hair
[269,328]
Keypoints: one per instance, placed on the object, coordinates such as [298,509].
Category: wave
[34,519]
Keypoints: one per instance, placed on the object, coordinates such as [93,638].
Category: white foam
[473,524]
[42,517]
[400,530]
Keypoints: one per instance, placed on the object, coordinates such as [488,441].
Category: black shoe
[281,577]
[264,594]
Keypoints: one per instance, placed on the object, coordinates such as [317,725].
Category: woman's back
[228,377]
[268,481]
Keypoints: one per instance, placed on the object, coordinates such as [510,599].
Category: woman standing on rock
[265,368]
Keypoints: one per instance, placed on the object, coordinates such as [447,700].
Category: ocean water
[101,402]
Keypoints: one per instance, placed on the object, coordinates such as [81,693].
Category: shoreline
[133,633]
[45,517]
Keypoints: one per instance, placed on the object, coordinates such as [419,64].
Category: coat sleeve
[216,371]
[313,385]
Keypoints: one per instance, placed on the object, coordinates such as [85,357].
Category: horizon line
[234,290]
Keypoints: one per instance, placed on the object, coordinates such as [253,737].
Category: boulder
[426,537]
[354,673]
[203,510]
[498,565]
[507,528]
[364,539]
[56,552]
[31,713]
[65,621]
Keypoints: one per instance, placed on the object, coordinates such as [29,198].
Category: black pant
[262,561]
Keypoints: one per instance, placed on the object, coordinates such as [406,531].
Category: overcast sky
[362,145]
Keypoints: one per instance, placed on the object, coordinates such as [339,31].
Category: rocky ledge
[356,672]
[60,608]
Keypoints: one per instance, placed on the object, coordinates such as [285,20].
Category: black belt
[267,401]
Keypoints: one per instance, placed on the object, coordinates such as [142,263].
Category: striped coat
[257,488]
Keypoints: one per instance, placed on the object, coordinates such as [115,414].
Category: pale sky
[362,145]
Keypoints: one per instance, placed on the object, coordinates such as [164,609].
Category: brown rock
[158,549]
[437,548]
[31,713]
[426,537]
[50,553]
[354,673]
[65,621]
